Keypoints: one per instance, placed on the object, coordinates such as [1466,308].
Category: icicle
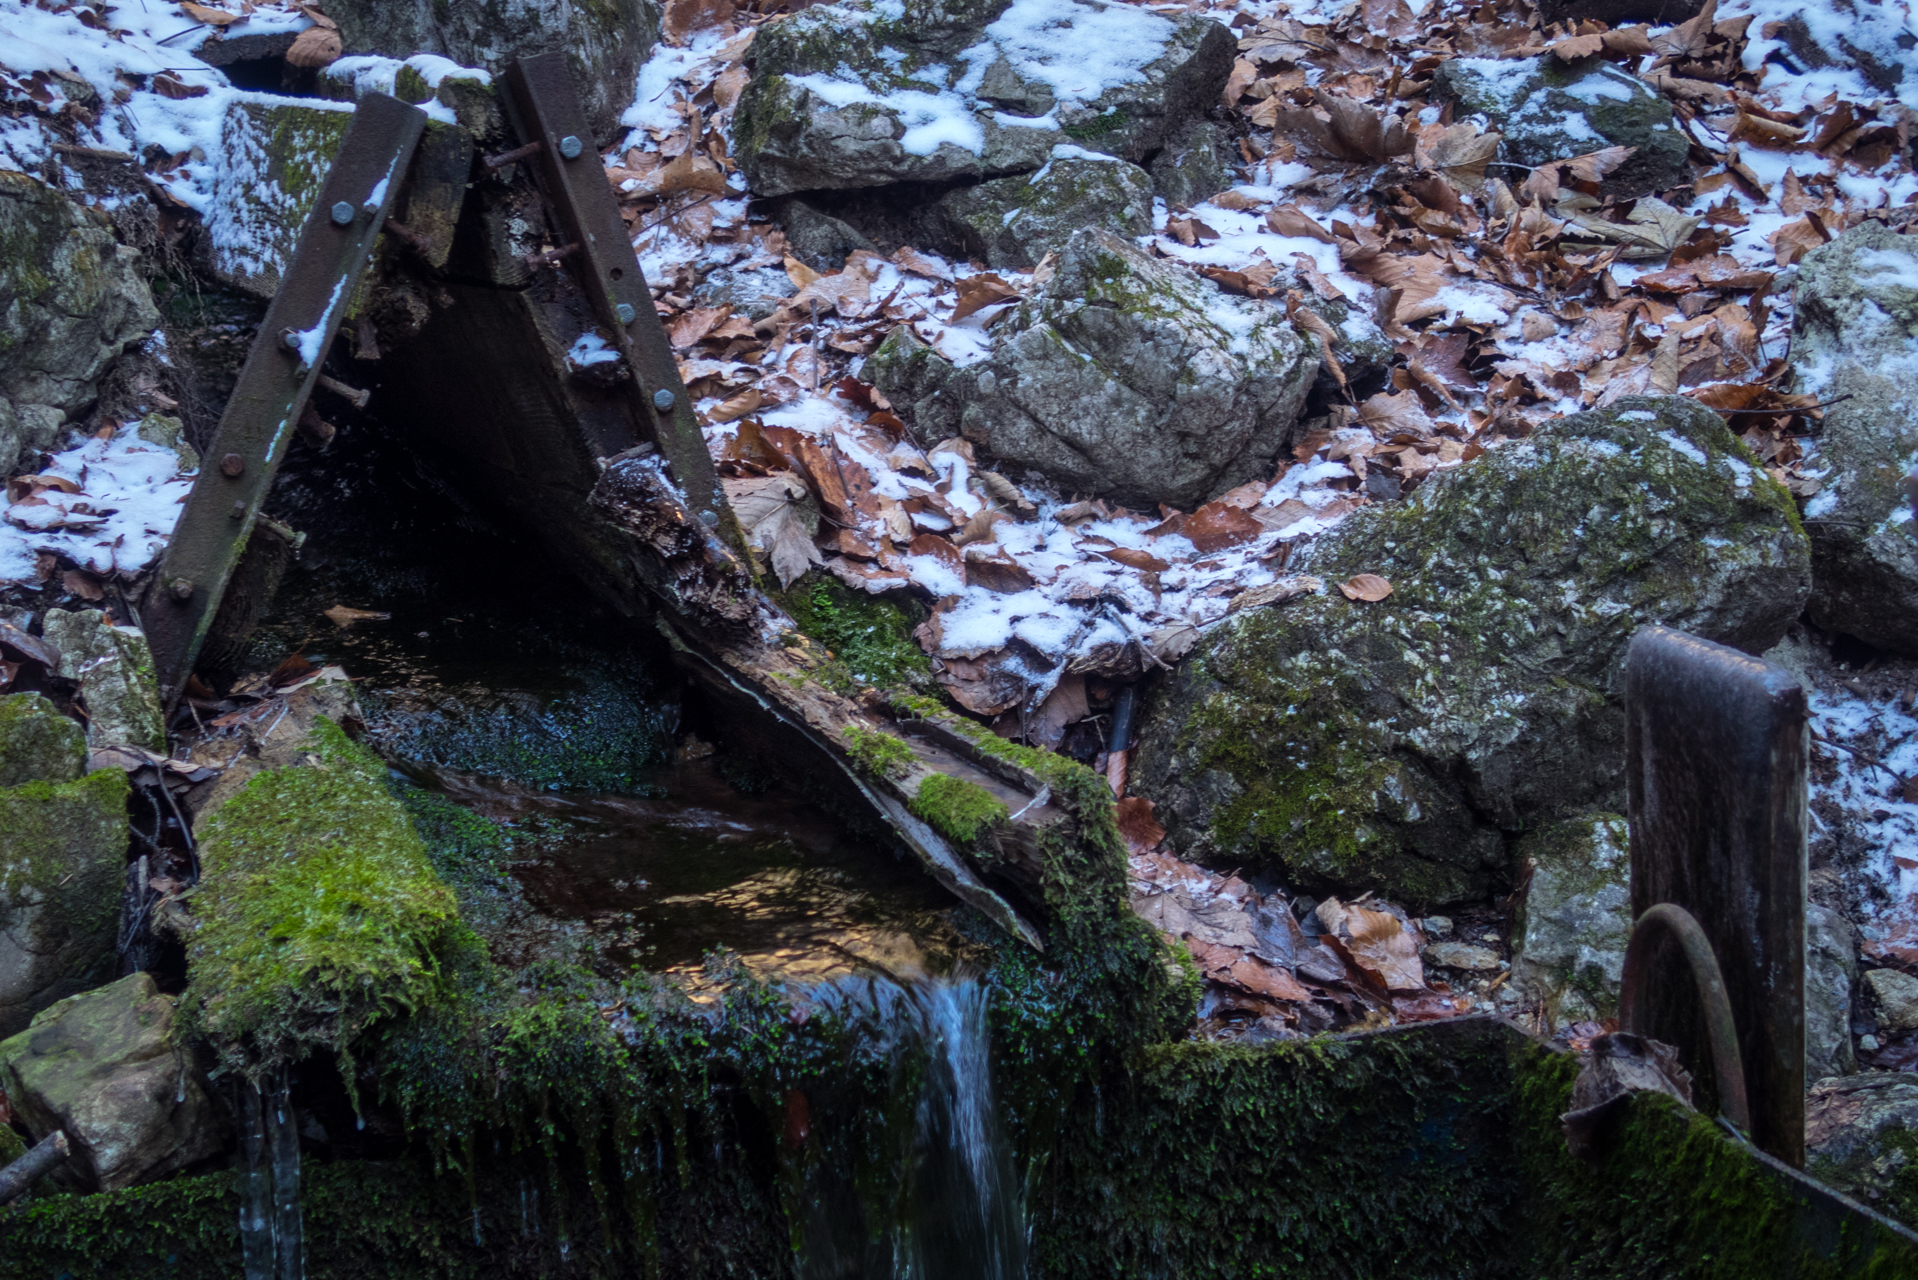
[289,1235]
[256,1189]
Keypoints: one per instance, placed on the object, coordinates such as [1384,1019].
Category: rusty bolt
[239,510]
[232,465]
[342,213]
[710,519]
[180,589]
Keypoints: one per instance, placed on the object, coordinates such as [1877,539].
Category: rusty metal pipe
[504,158]
[1728,1065]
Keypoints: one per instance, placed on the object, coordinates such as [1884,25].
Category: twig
[44,1158]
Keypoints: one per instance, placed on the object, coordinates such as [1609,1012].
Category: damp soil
[642,830]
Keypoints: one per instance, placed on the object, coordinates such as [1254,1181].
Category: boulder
[63,849]
[1855,341]
[912,375]
[1549,110]
[873,92]
[754,292]
[275,154]
[1396,745]
[1134,379]
[1013,222]
[605,40]
[1894,997]
[1831,967]
[37,743]
[71,300]
[1568,942]
[1194,165]
[108,1068]
[114,668]
[1861,1136]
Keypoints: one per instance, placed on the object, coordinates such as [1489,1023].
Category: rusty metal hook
[1728,1065]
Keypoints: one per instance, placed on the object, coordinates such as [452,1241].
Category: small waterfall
[271,1229]
[954,1210]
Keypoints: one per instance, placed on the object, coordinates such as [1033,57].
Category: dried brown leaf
[1368,587]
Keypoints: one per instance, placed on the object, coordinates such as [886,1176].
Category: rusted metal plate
[273,387]
[1716,743]
[545,109]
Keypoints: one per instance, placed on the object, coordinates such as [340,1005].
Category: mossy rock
[1549,110]
[276,156]
[318,912]
[1014,222]
[1568,941]
[63,847]
[114,668]
[1397,745]
[37,743]
[911,374]
[1861,1136]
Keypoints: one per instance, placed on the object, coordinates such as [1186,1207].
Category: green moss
[1098,128]
[961,811]
[870,637]
[878,753]
[318,914]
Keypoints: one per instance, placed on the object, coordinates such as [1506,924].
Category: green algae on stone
[37,743]
[877,752]
[1397,745]
[318,913]
[961,811]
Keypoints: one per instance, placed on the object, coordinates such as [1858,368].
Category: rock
[1831,966]
[169,433]
[1548,110]
[1394,745]
[1896,996]
[1861,1133]
[605,40]
[108,1068]
[274,157]
[63,847]
[1461,955]
[873,92]
[1568,942]
[911,375]
[1135,379]
[425,77]
[1873,38]
[114,668]
[1855,335]
[71,300]
[1192,166]
[817,238]
[755,292]
[37,743]
[1013,222]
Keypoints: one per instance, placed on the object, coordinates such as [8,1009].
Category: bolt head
[625,312]
[343,214]
[232,465]
[710,519]
[180,589]
[571,147]
[663,400]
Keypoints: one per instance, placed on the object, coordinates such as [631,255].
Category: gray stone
[63,847]
[604,40]
[109,1068]
[1548,110]
[1895,996]
[817,238]
[1395,745]
[1855,341]
[1192,166]
[114,668]
[1831,967]
[71,301]
[753,291]
[912,376]
[1013,222]
[37,743]
[1568,942]
[1136,379]
[868,93]
[1461,955]
[169,433]
[1860,1135]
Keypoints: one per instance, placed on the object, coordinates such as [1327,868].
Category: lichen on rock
[1568,942]
[114,668]
[1398,745]
[276,157]
[1014,222]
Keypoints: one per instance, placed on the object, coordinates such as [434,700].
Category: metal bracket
[545,109]
[279,376]
[1728,1065]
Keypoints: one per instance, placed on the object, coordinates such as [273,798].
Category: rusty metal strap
[1728,1064]
[274,384]
[558,144]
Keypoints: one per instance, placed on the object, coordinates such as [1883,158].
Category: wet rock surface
[1853,342]
[1393,745]
[1548,110]
[71,301]
[1132,379]
[1861,1136]
[110,1069]
[865,95]
[1568,942]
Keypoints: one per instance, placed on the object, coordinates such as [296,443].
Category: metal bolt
[663,400]
[625,312]
[290,339]
[180,589]
[232,465]
[343,214]
[239,510]
[570,147]
[710,519]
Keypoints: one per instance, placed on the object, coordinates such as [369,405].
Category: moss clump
[878,753]
[961,811]
[319,913]
[870,638]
